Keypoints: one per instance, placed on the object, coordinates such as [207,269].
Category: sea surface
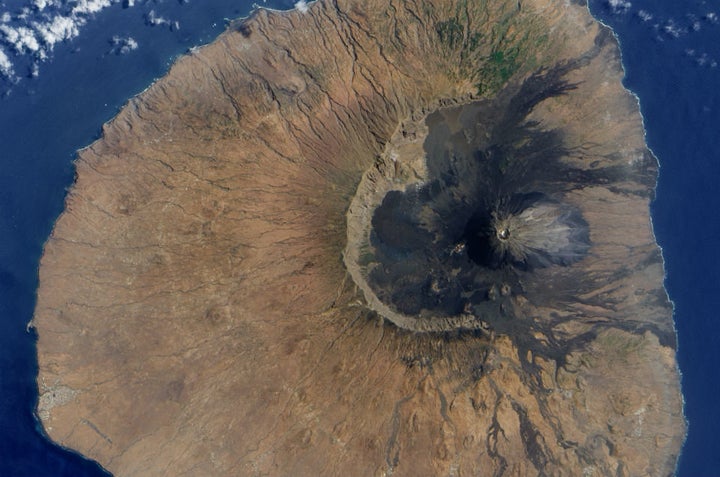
[67,66]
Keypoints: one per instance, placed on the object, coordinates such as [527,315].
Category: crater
[456,243]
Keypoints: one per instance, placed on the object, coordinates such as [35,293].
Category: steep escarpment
[388,237]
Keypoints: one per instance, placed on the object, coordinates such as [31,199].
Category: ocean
[67,66]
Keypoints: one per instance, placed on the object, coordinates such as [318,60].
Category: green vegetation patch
[492,51]
[498,68]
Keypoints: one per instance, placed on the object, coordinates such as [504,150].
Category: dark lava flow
[491,214]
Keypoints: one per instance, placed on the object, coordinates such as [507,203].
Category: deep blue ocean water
[51,107]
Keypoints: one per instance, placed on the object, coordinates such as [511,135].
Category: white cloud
[6,66]
[42,4]
[123,45]
[619,6]
[672,29]
[645,15]
[25,13]
[86,7]
[49,27]
[131,44]
[58,29]
[154,20]
[302,6]
[21,38]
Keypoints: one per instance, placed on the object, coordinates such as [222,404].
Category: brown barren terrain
[207,306]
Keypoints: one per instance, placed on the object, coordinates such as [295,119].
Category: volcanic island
[368,238]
